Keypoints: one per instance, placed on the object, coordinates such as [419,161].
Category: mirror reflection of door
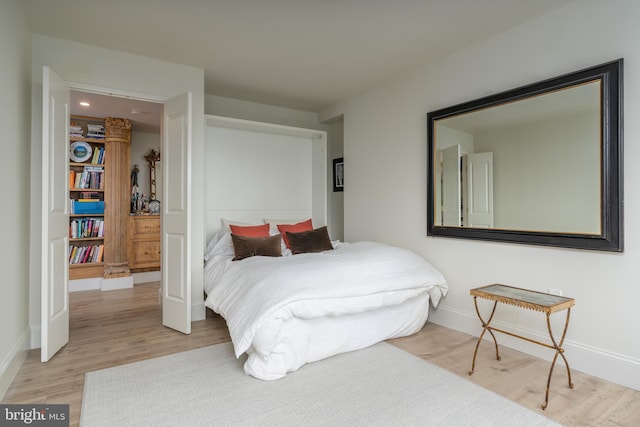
[480,190]
[466,188]
[451,187]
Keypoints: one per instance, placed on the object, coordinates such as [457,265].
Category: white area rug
[378,386]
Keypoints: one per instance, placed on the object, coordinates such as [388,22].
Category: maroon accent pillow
[246,247]
[261,230]
[310,241]
[285,229]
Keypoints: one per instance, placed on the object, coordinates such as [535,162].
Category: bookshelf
[87,227]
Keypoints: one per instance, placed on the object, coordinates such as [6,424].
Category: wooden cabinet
[144,243]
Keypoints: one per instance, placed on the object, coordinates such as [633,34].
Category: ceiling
[300,54]
[144,116]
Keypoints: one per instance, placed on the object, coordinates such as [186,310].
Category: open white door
[451,194]
[480,180]
[176,214]
[55,214]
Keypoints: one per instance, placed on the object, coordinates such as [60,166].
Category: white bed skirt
[301,341]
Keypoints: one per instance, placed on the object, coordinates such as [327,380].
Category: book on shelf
[90,177]
[95,131]
[88,196]
[96,156]
[83,228]
[86,254]
[75,131]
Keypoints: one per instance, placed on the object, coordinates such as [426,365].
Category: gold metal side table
[531,300]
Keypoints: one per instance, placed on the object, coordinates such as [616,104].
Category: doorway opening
[144,191]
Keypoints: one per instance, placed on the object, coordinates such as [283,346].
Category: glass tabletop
[524,295]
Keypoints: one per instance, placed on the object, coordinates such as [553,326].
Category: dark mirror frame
[611,197]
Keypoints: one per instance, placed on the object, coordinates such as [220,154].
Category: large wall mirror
[540,164]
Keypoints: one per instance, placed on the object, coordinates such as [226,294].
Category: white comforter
[352,278]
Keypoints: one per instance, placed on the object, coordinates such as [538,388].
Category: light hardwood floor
[117,327]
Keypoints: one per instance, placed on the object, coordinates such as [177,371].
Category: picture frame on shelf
[338,174]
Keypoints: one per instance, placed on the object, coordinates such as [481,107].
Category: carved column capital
[117,130]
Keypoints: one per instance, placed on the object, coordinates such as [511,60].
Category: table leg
[559,351]
[485,328]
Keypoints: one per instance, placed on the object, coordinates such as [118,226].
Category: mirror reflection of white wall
[546,169]
[546,175]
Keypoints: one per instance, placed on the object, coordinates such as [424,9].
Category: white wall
[546,174]
[229,107]
[253,111]
[385,142]
[336,198]
[15,51]
[141,144]
[256,171]
[253,176]
[117,72]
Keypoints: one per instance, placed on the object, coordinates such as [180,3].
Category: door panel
[176,211]
[481,190]
[451,195]
[55,214]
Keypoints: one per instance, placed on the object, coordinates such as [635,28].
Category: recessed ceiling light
[85,104]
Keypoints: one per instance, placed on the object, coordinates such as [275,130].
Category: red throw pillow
[250,230]
[294,228]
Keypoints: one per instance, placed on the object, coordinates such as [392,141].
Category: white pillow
[213,247]
[273,224]
[224,246]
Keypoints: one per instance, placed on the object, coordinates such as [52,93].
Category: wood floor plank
[123,326]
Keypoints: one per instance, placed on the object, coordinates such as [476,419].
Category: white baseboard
[100,283]
[116,283]
[91,284]
[146,277]
[594,361]
[12,362]
[198,311]
[36,337]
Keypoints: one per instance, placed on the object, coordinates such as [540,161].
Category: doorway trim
[36,327]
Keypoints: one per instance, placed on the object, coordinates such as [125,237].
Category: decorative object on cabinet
[136,197]
[152,158]
[154,207]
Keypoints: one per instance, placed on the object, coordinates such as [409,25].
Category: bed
[299,307]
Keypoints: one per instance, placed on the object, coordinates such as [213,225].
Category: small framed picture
[338,174]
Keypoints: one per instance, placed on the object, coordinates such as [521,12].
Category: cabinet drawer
[139,225]
[144,254]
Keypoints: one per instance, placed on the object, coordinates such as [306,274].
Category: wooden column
[116,196]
